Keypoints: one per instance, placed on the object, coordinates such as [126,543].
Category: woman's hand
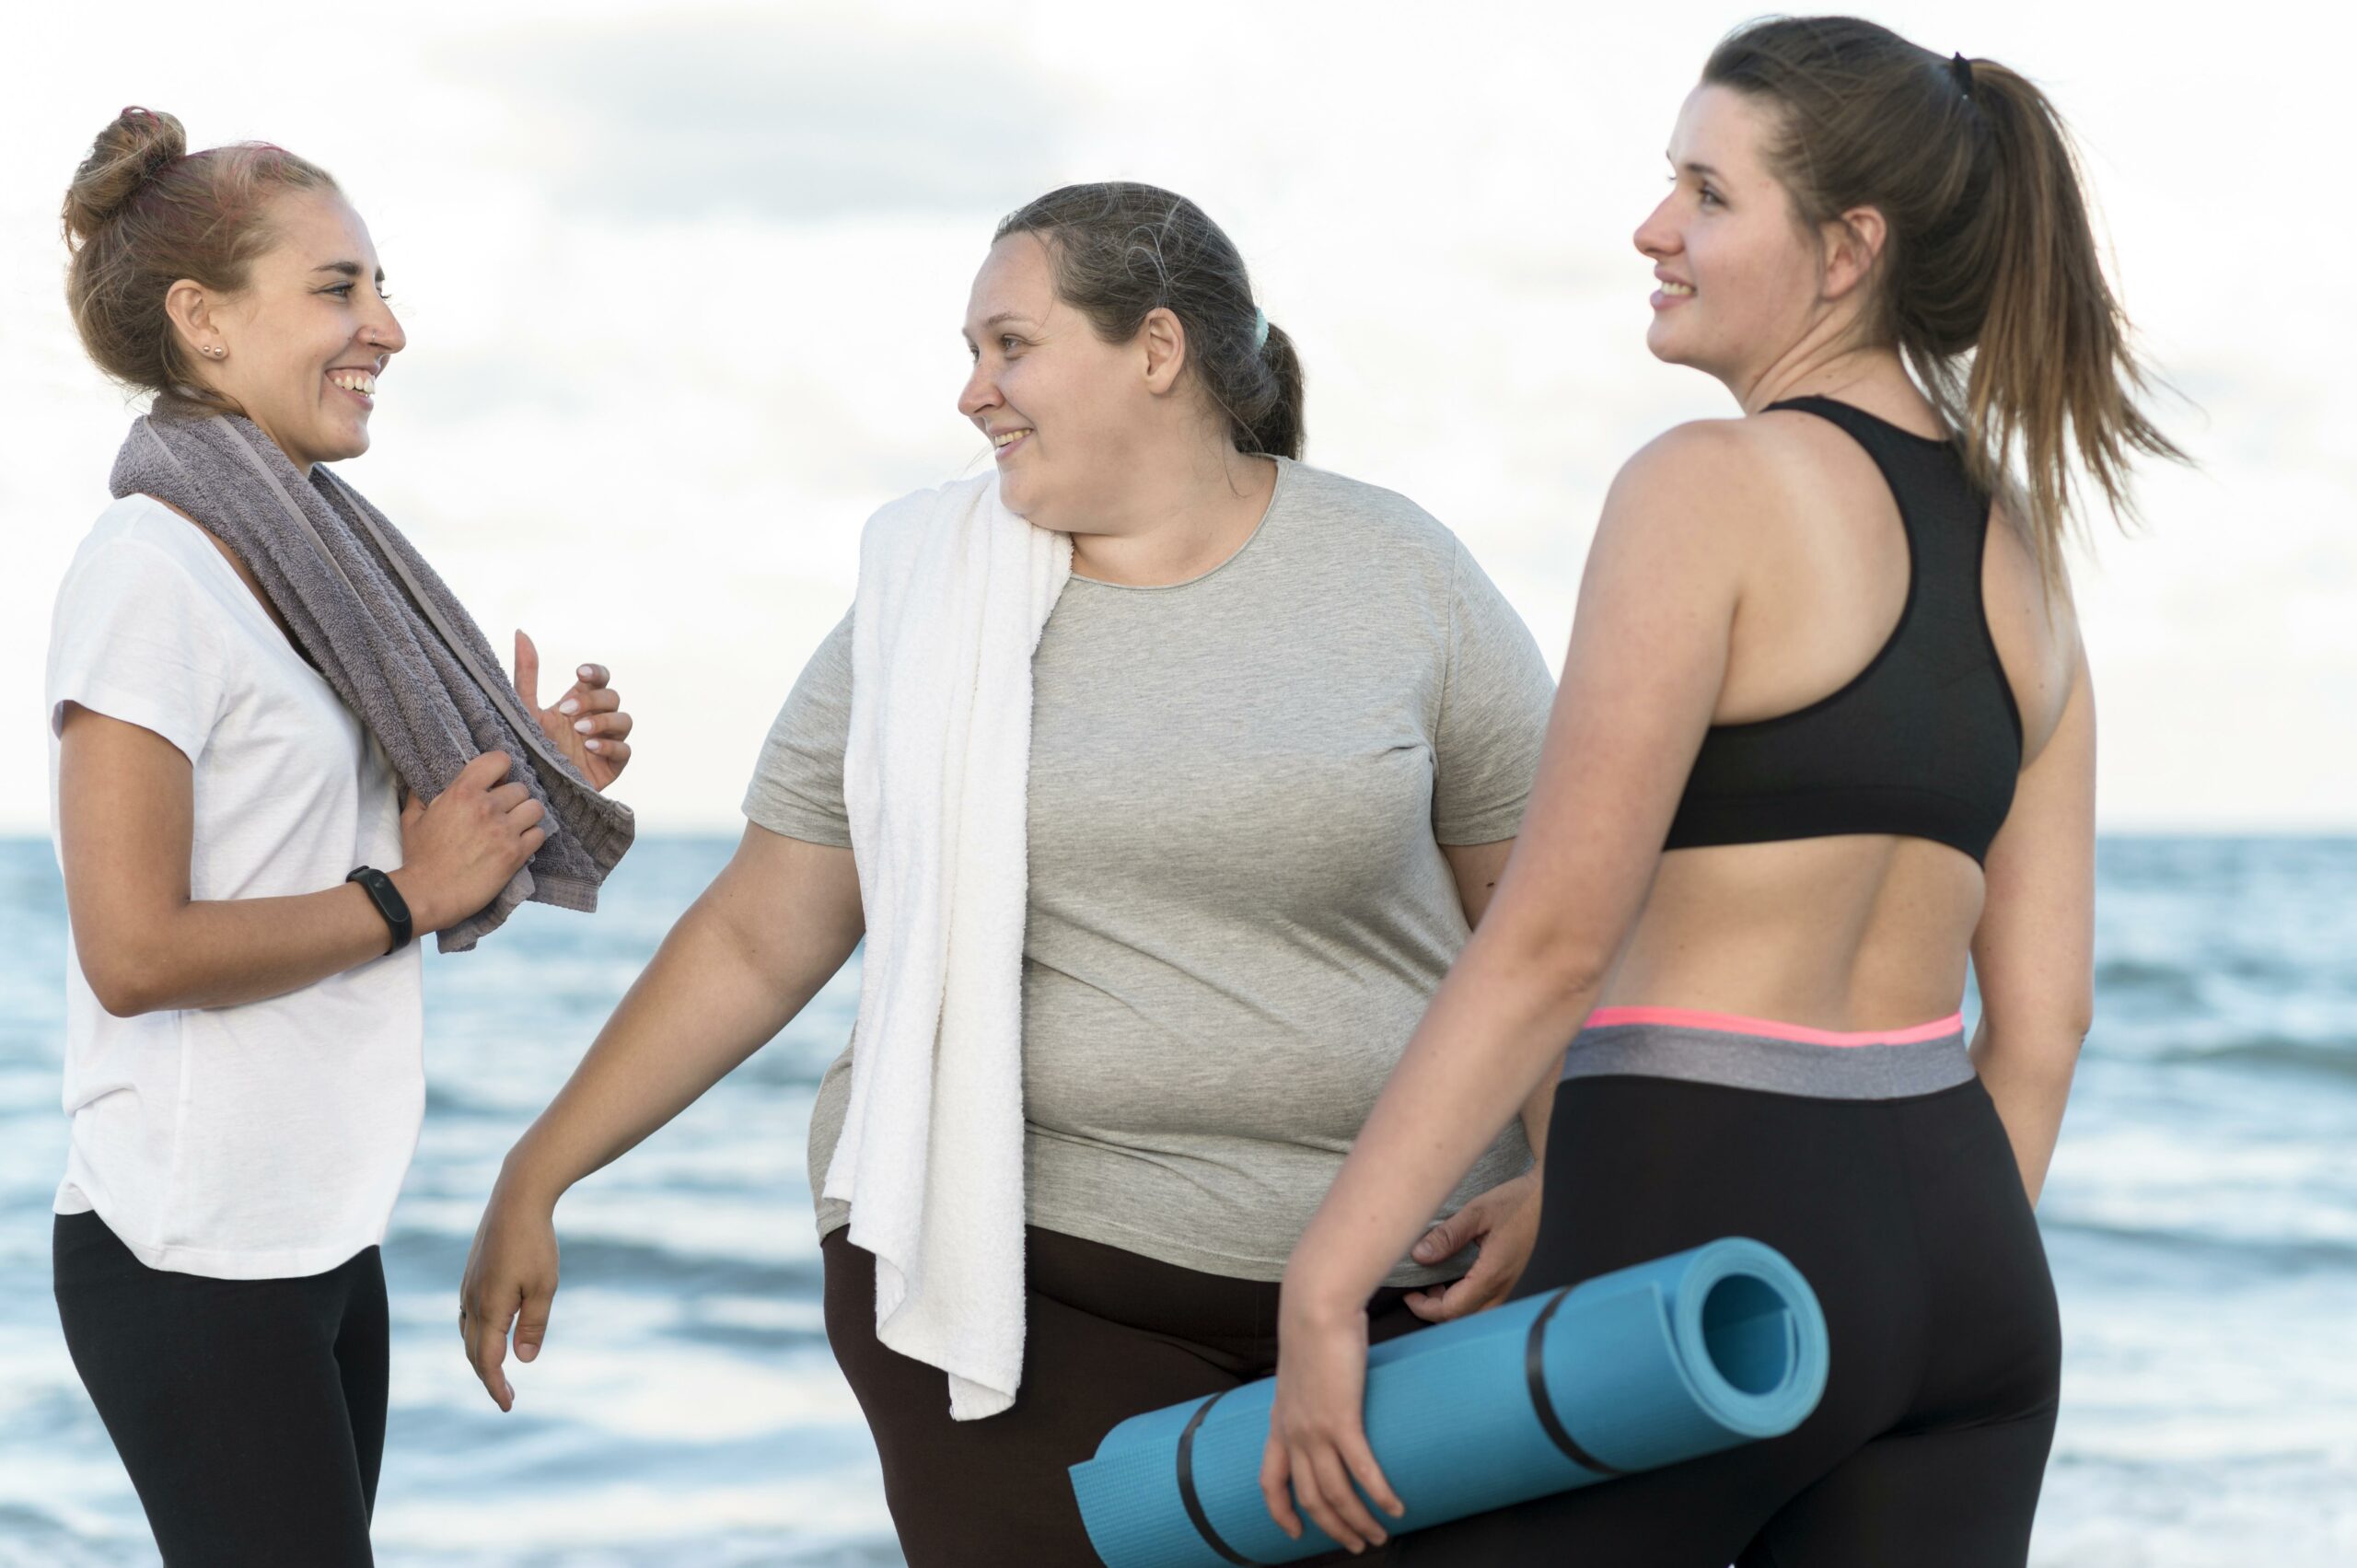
[1317,1433]
[1505,1221]
[587,723]
[458,852]
[510,1278]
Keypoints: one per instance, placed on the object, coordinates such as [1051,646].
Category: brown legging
[1109,1334]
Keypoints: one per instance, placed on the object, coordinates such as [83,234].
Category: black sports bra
[1926,740]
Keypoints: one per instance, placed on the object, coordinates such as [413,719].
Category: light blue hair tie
[1259,329]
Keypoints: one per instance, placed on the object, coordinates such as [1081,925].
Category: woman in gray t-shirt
[1284,729]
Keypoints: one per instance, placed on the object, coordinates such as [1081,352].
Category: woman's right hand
[510,1278]
[458,850]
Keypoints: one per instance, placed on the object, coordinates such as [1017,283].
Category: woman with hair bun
[1826,731]
[1280,732]
[279,749]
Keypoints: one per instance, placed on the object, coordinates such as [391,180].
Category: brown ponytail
[1990,284]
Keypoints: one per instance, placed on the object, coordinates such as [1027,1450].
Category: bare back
[1861,931]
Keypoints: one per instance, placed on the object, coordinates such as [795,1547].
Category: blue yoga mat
[1660,1362]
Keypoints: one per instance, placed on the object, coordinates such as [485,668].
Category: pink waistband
[1732,1023]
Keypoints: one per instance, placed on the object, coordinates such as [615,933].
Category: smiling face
[307,336]
[1741,280]
[1066,412]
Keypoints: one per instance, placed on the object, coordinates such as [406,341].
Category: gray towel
[392,640]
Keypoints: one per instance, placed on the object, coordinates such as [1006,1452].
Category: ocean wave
[617,1263]
[2331,1059]
[2182,1250]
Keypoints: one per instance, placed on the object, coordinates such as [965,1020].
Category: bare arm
[2033,952]
[774,927]
[749,954]
[1478,869]
[1647,659]
[1502,1223]
[126,815]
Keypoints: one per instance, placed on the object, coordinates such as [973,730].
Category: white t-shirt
[268,1139]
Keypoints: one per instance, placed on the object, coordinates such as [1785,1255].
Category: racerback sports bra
[1926,740]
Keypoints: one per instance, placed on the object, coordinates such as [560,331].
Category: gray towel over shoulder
[389,636]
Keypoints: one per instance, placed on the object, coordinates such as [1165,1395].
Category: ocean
[2201,1221]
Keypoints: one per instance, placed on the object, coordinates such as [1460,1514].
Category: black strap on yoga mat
[1534,1365]
[1194,1504]
[1533,1370]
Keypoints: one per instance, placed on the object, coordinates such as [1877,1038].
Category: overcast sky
[683,285]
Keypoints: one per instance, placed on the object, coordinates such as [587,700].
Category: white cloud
[798,119]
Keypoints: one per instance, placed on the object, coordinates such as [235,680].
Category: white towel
[954,590]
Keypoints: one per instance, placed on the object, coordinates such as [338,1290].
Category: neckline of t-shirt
[248,608]
[1276,491]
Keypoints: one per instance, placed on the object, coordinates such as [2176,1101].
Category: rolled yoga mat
[1653,1365]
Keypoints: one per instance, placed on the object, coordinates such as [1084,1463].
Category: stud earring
[216,349]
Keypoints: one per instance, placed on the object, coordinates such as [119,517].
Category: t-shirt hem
[1202,1259]
[811,828]
[835,1218]
[284,1264]
[143,709]
[1492,829]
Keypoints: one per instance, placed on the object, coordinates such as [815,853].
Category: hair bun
[127,153]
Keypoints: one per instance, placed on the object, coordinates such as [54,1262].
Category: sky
[683,284]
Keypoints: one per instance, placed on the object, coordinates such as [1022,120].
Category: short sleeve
[136,637]
[1494,701]
[797,788]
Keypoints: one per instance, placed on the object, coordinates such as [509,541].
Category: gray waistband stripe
[1772,1066]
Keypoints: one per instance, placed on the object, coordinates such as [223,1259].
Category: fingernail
[586,671]
[570,706]
[526,1353]
[594,745]
[585,726]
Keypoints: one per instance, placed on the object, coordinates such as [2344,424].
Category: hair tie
[1259,329]
[1960,73]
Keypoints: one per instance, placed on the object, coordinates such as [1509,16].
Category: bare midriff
[1858,933]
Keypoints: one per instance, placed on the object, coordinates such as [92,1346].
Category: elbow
[2068,1031]
[121,995]
[1559,966]
[126,984]
[2046,1044]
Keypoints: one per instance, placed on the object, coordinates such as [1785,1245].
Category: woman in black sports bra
[1825,729]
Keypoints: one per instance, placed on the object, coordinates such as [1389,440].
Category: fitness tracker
[388,902]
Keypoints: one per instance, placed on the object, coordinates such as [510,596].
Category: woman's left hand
[588,723]
[1318,1432]
[1504,1223]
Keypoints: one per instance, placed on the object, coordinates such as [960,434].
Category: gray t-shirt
[1238,905]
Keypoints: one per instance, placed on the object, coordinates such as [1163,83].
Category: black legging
[1909,1219]
[251,1414]
[1109,1334]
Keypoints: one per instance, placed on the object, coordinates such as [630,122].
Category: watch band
[388,902]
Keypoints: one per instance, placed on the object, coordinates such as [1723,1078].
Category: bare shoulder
[1693,480]
[1698,455]
[1691,498]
